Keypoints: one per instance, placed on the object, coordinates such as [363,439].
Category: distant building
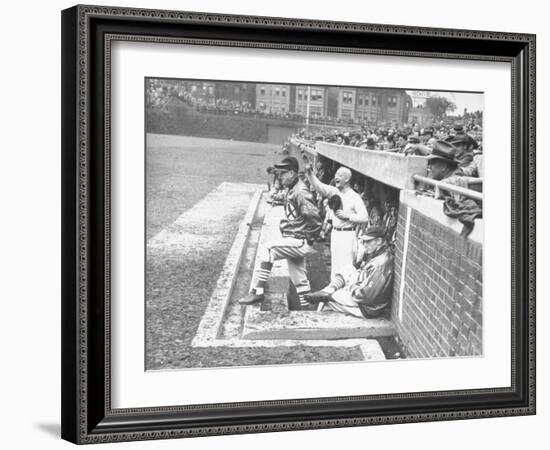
[381,105]
[274,98]
[317,102]
[332,101]
[204,90]
[376,105]
[373,105]
[346,103]
[236,92]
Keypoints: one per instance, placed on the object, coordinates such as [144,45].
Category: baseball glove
[335,202]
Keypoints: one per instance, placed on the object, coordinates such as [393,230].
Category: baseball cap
[372,233]
[288,163]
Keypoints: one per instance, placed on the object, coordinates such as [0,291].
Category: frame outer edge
[69,290]
[297,23]
[532,143]
[75,210]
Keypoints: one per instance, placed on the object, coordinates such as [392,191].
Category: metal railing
[453,188]
[307,144]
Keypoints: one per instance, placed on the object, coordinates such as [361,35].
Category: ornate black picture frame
[87,34]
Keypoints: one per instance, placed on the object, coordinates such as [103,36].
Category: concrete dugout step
[273,320]
[311,325]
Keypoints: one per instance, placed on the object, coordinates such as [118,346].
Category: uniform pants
[342,250]
[343,301]
[294,251]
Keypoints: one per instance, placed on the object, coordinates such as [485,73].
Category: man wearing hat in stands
[428,137]
[412,141]
[427,134]
[299,230]
[465,145]
[475,168]
[364,291]
[414,147]
[401,141]
[370,144]
[458,127]
[390,139]
[461,141]
[344,220]
[442,163]
[443,166]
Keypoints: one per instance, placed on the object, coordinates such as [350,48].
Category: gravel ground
[180,172]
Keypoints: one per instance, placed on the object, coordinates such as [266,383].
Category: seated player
[365,290]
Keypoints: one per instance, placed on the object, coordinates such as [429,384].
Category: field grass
[182,170]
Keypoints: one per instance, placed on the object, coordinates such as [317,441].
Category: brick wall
[438,311]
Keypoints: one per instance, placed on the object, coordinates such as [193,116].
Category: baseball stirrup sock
[302,300]
[263,275]
[337,283]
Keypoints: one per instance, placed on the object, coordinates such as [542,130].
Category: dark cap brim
[281,167]
[435,157]
[368,237]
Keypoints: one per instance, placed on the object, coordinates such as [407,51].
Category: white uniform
[343,300]
[343,239]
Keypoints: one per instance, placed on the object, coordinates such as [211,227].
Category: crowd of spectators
[159,94]
[454,151]
[459,144]
[409,140]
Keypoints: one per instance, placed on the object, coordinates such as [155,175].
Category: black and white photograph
[275,225]
[299,224]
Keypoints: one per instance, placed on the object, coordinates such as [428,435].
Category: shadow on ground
[52,429]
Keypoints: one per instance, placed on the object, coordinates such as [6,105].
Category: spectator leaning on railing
[465,146]
[443,166]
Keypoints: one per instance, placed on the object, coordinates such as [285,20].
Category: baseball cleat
[318,296]
[251,298]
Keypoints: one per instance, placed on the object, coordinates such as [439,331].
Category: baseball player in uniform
[299,229]
[363,291]
[353,213]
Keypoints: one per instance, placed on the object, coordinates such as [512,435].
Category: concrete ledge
[297,325]
[212,318]
[370,348]
[390,168]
